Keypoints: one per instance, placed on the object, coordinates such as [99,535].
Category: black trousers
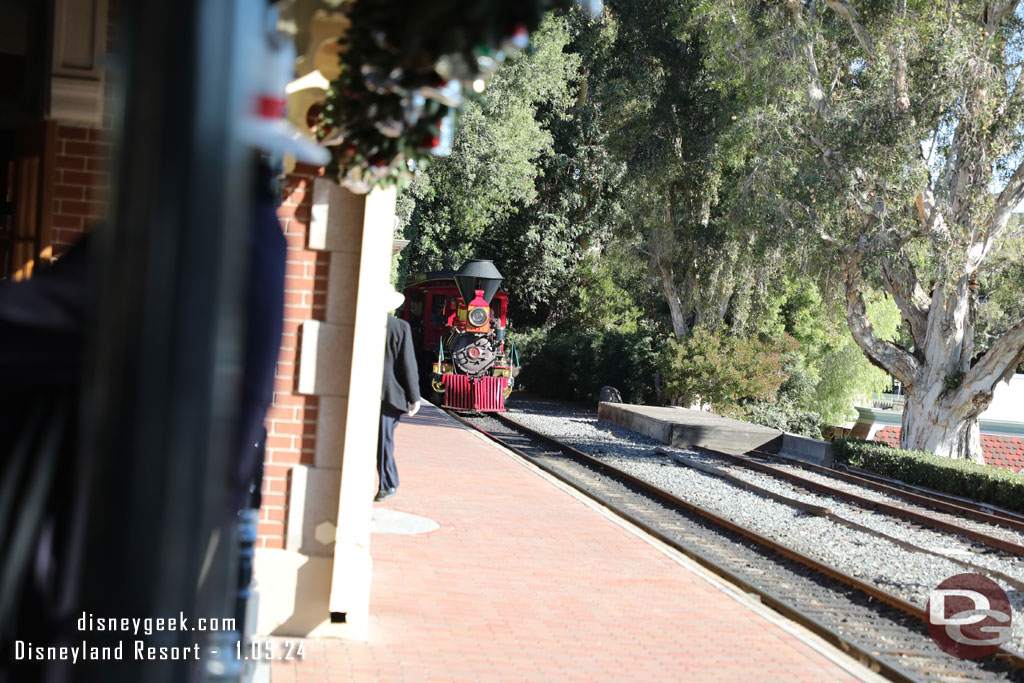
[386,469]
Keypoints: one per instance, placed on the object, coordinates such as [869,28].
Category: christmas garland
[404,68]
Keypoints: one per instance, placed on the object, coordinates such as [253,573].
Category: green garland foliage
[982,483]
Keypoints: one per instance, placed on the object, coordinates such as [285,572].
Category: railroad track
[883,631]
[938,499]
[996,528]
[831,515]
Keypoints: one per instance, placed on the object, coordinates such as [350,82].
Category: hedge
[983,483]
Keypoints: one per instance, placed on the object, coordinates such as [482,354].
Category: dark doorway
[27,160]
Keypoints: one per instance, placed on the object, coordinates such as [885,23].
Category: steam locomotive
[458,320]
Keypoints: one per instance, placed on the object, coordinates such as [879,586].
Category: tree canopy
[822,186]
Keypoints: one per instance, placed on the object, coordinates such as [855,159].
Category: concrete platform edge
[697,429]
[807,449]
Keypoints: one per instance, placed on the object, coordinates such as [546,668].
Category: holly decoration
[404,67]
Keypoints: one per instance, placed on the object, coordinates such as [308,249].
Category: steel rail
[980,512]
[830,514]
[1009,657]
[654,490]
[1005,517]
[895,510]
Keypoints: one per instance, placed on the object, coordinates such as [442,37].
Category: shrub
[983,483]
[785,416]
[789,411]
[716,367]
[563,363]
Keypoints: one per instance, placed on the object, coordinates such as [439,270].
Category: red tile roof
[1000,451]
[890,436]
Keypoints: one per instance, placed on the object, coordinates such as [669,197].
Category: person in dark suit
[400,395]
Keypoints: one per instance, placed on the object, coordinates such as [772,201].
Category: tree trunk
[947,386]
[932,423]
[675,307]
[662,251]
[938,417]
[946,392]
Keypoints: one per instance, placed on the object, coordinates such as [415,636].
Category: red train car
[459,321]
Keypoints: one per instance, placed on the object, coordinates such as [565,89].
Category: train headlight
[477,317]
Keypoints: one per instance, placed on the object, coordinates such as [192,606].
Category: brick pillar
[291,419]
[330,368]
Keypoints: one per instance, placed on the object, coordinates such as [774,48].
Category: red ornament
[520,37]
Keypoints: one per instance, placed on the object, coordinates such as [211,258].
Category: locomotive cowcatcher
[458,320]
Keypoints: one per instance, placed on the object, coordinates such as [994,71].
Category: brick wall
[81,183]
[1000,451]
[291,420]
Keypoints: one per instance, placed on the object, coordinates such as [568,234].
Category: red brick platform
[525,582]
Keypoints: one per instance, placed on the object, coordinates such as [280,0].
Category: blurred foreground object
[43,323]
[268,69]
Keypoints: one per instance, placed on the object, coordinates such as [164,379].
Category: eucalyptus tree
[891,129]
[664,118]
